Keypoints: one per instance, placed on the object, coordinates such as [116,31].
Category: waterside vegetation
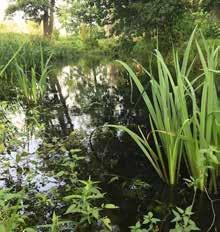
[110,119]
[184,116]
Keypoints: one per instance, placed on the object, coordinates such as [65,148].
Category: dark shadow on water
[96,94]
[83,97]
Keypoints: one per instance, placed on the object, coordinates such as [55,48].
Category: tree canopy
[131,17]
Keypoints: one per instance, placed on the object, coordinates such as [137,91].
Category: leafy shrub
[205,22]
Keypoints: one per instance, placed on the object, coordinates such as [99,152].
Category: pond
[82,98]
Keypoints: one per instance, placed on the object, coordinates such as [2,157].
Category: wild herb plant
[84,200]
[11,204]
[83,204]
[183,221]
[150,223]
[181,218]
[57,225]
[182,123]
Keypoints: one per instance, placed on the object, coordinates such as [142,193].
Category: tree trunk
[46,24]
[48,20]
[51,19]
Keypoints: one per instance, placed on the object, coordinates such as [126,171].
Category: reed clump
[184,114]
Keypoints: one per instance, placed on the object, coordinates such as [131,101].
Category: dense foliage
[131,18]
[76,127]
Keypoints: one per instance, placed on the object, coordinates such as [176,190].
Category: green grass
[30,54]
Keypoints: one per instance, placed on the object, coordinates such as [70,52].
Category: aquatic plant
[183,221]
[150,222]
[181,218]
[33,84]
[82,203]
[182,122]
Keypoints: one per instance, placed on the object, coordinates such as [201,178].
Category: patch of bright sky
[3,5]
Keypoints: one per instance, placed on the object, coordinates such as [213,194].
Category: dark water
[82,98]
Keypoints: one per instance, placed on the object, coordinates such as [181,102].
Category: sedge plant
[184,116]
[33,83]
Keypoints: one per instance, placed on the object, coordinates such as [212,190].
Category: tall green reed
[183,123]
[33,83]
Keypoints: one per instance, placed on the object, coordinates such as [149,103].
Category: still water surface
[82,98]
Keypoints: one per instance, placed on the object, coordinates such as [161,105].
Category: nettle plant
[181,218]
[84,198]
[83,204]
[183,221]
[12,217]
[150,223]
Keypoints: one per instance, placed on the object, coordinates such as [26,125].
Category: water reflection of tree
[97,96]
[94,89]
[105,95]
[55,108]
